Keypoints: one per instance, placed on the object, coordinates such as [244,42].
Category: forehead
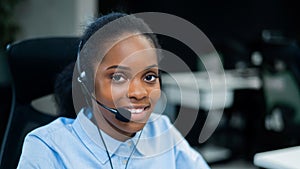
[135,48]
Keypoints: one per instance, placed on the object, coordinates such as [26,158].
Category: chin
[133,127]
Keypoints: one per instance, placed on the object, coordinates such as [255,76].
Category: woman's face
[127,78]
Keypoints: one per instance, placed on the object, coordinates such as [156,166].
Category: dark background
[233,26]
[220,19]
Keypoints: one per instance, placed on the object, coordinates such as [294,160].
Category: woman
[115,127]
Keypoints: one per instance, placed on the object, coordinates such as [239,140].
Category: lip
[137,109]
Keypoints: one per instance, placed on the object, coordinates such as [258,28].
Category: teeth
[135,110]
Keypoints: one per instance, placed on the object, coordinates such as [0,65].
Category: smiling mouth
[137,110]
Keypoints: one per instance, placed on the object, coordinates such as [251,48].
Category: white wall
[38,18]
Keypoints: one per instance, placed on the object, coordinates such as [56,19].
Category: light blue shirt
[76,144]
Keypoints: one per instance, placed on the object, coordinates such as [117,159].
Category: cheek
[110,94]
[154,95]
[117,92]
[103,91]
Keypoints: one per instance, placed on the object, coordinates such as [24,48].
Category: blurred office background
[255,39]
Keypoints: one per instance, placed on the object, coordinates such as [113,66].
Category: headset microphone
[120,113]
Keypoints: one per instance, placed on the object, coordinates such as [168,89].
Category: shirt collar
[89,135]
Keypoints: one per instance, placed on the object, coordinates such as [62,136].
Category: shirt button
[124,162]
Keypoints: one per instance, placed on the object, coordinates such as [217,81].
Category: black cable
[110,162]
[108,155]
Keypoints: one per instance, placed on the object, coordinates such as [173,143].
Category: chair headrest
[35,63]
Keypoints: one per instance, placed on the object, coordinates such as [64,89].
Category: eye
[151,78]
[118,78]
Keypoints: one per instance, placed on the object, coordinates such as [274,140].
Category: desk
[287,158]
[215,90]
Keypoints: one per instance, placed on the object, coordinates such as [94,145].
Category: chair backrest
[34,65]
[280,76]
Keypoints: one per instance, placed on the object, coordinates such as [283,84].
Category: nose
[137,90]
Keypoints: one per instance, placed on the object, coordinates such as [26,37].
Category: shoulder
[49,134]
[57,126]
[188,157]
[39,145]
[163,134]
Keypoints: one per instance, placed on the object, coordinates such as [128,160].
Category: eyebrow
[151,66]
[118,67]
[128,68]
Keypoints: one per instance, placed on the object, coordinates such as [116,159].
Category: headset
[121,114]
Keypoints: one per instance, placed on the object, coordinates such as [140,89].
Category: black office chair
[281,85]
[34,65]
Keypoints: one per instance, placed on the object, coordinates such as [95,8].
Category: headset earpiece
[82,77]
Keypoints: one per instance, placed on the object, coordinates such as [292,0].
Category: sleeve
[36,154]
[187,157]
